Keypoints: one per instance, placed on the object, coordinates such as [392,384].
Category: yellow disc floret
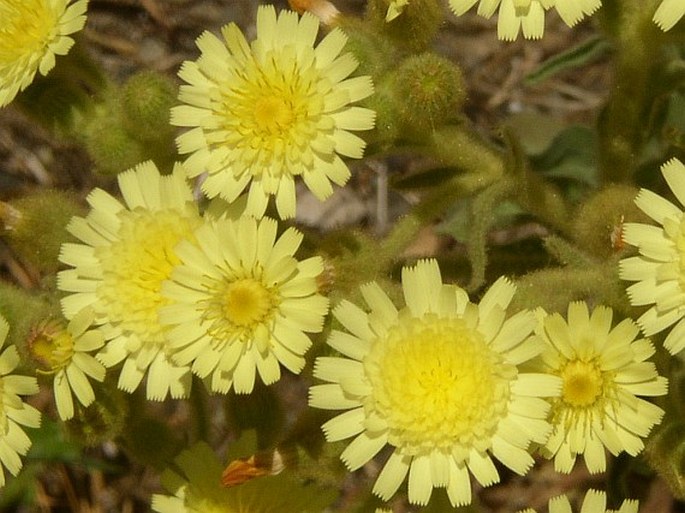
[51,346]
[582,383]
[247,302]
[26,28]
[437,383]
[135,266]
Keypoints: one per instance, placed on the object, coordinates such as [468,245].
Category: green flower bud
[375,53]
[35,226]
[110,145]
[23,311]
[413,28]
[384,103]
[598,223]
[429,90]
[147,98]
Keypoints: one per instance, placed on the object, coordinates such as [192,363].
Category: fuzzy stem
[624,121]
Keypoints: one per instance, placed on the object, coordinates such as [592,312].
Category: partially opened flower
[594,502]
[264,113]
[32,32]
[658,270]
[196,488]
[240,303]
[438,382]
[669,13]
[127,253]
[604,370]
[64,352]
[14,412]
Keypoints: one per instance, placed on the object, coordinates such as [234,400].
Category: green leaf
[588,51]
[534,131]
[572,155]
[457,223]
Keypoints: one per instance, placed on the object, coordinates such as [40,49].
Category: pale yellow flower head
[658,270]
[118,270]
[64,352]
[263,113]
[437,381]
[669,13]
[14,412]
[32,32]
[196,488]
[594,502]
[604,371]
[527,16]
[240,303]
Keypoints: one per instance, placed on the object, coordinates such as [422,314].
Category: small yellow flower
[32,32]
[594,502]
[669,13]
[658,270]
[604,370]
[239,303]
[127,253]
[438,382]
[197,488]
[14,413]
[264,113]
[64,353]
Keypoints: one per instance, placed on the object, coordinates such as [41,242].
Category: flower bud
[35,225]
[429,90]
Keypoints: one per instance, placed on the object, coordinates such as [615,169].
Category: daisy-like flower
[528,15]
[669,13]
[594,502]
[604,370]
[658,270]
[14,413]
[32,32]
[264,113]
[197,489]
[240,303]
[127,253]
[438,382]
[64,352]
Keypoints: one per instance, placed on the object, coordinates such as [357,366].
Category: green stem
[638,64]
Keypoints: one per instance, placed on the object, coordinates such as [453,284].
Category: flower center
[51,347]
[237,307]
[583,383]
[26,27]
[135,266]
[271,110]
[273,115]
[247,302]
[438,384]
